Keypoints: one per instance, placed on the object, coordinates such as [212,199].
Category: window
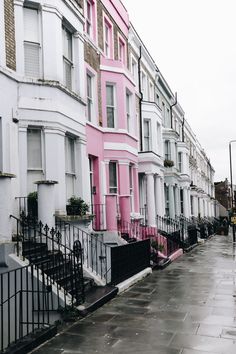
[151,92]
[180,161]
[89,97]
[107,39]
[167,150]
[70,165]
[134,69]
[131,187]
[110,106]
[157,99]
[146,134]
[34,148]
[112,177]
[168,120]
[31,42]
[167,202]
[121,50]
[163,112]
[89,8]
[144,85]
[67,57]
[128,111]
[191,204]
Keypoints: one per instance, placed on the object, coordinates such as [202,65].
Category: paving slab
[187,308]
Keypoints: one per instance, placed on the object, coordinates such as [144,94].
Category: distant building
[222,193]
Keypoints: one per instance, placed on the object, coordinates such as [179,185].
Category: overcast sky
[193,43]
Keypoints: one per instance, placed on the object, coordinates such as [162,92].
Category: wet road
[188,308]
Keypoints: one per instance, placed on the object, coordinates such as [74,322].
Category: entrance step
[96,297]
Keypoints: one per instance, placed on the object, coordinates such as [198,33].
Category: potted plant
[77,206]
[168,163]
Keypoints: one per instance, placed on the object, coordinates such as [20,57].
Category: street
[188,308]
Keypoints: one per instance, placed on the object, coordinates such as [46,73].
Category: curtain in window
[34,149]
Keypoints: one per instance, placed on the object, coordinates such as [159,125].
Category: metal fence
[96,254]
[45,248]
[29,302]
[129,259]
[99,216]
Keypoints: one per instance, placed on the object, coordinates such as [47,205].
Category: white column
[177,201]
[79,64]
[186,203]
[150,199]
[46,202]
[163,196]
[5,206]
[195,206]
[23,160]
[55,165]
[171,202]
[158,195]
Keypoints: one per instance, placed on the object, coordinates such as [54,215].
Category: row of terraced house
[87,117]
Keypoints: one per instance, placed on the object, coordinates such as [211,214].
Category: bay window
[67,57]
[110,105]
[146,135]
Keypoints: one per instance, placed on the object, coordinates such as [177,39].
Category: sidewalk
[188,308]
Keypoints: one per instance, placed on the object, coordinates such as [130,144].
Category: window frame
[108,41]
[128,104]
[121,49]
[90,100]
[113,107]
[148,137]
[33,168]
[167,150]
[67,60]
[113,189]
[33,44]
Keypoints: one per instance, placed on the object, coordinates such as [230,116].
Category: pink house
[112,142]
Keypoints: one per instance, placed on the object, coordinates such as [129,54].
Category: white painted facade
[45,97]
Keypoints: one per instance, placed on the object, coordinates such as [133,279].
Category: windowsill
[35,170]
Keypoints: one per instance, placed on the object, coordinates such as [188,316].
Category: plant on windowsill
[168,163]
[77,206]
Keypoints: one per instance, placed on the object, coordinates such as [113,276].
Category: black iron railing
[29,301]
[162,244]
[45,248]
[96,254]
[129,259]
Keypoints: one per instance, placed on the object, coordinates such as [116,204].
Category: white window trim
[38,44]
[108,23]
[149,136]
[115,105]
[113,187]
[41,169]
[68,61]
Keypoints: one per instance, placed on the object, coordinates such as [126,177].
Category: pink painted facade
[112,145]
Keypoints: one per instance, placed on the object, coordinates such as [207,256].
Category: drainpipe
[140,100]
[183,129]
[171,113]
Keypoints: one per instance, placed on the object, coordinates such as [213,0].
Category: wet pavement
[188,308]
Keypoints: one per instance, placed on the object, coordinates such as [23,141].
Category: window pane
[112,177]
[70,154]
[110,117]
[32,63]
[67,44]
[110,95]
[34,149]
[31,30]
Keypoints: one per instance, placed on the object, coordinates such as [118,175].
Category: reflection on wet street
[188,308]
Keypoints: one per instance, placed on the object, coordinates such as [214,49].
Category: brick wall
[10,34]
[116,29]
